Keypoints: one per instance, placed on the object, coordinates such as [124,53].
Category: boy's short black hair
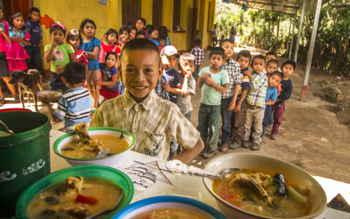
[149,29]
[279,74]
[163,32]
[225,41]
[84,22]
[244,53]
[217,50]
[271,53]
[258,57]
[198,42]
[111,31]
[273,61]
[74,72]
[141,32]
[111,53]
[133,28]
[122,29]
[291,62]
[34,9]
[140,44]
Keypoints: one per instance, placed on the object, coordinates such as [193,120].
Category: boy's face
[35,16]
[154,35]
[229,48]
[274,81]
[172,62]
[287,70]
[269,57]
[243,62]
[271,68]
[187,67]
[215,60]
[258,65]
[140,72]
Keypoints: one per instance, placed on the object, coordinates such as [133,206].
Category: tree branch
[340,5]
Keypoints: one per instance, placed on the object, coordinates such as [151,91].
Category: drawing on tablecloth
[144,175]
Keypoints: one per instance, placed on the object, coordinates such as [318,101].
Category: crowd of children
[92,67]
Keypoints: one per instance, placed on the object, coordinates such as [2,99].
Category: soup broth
[75,149]
[52,203]
[295,204]
[168,213]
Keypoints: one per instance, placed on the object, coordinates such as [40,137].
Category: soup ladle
[98,215]
[178,168]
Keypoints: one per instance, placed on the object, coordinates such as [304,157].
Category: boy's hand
[248,73]
[59,69]
[237,108]
[1,30]
[206,75]
[41,43]
[54,44]
[166,86]
[209,81]
[232,106]
[188,74]
[15,38]
[98,82]
[165,60]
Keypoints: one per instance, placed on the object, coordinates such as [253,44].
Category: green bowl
[85,171]
[105,161]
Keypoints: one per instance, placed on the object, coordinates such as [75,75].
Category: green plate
[85,171]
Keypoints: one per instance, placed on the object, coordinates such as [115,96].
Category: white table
[192,187]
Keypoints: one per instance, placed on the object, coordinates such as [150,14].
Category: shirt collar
[229,60]
[262,72]
[74,89]
[146,103]
[167,70]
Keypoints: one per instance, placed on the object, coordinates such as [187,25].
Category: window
[208,27]
[131,10]
[157,13]
[176,13]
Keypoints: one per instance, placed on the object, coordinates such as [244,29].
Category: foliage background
[270,31]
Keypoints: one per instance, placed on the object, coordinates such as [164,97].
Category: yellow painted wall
[70,14]
[147,10]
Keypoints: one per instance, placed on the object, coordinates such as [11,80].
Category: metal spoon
[6,128]
[178,168]
[95,216]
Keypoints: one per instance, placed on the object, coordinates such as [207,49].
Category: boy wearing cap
[150,118]
[75,104]
[213,82]
[288,68]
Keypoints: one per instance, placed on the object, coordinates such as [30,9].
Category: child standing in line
[16,54]
[5,41]
[199,54]
[33,27]
[271,95]
[123,36]
[91,45]
[132,32]
[173,78]
[59,54]
[256,102]
[111,37]
[74,104]
[288,68]
[109,85]
[141,34]
[141,24]
[272,66]
[269,56]
[162,43]
[157,120]
[163,34]
[154,37]
[187,67]
[198,35]
[74,39]
[240,111]
[229,98]
[213,81]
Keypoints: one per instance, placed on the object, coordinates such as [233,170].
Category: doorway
[12,6]
[131,10]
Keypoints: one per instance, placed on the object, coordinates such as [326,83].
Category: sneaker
[274,137]
[255,147]
[263,134]
[234,145]
[224,147]
[208,154]
[245,144]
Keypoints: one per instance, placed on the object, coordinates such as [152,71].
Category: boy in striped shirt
[75,104]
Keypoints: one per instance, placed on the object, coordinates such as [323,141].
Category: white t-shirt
[214,32]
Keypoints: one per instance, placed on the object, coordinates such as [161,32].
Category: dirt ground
[314,134]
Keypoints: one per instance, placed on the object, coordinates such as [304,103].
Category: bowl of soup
[117,142]
[95,189]
[265,187]
[169,207]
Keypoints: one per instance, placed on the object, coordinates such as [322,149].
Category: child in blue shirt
[74,104]
[212,81]
[270,99]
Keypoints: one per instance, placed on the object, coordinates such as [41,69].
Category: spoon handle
[178,168]
[6,128]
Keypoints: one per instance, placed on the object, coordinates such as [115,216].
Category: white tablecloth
[188,186]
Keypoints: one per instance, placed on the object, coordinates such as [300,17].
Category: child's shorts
[91,76]
[56,82]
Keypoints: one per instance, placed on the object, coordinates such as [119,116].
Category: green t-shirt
[210,96]
[60,55]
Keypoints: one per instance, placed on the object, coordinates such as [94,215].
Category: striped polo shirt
[74,107]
